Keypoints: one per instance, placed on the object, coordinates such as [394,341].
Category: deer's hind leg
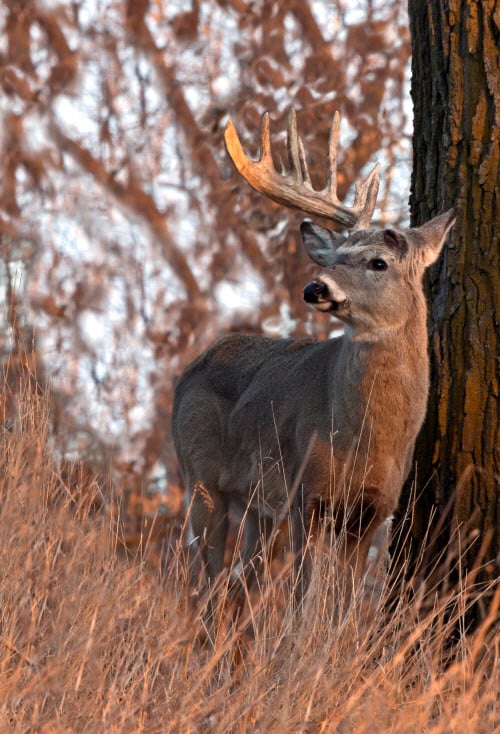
[256,532]
[209,523]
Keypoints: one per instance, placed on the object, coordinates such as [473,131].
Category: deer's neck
[389,373]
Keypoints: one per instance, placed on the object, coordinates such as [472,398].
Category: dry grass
[95,641]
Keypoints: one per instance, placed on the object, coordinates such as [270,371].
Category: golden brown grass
[94,641]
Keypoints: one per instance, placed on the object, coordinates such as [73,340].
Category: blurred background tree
[128,242]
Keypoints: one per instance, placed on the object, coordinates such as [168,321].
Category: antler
[293,188]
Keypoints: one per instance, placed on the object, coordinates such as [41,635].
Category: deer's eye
[377,264]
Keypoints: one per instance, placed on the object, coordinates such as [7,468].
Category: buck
[323,430]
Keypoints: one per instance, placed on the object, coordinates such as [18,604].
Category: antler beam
[293,188]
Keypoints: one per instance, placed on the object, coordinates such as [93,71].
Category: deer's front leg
[355,529]
[302,529]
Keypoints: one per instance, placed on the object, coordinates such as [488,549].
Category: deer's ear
[320,243]
[396,241]
[430,236]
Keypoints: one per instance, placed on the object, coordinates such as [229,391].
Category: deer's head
[370,278]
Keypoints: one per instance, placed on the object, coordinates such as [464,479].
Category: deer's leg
[302,529]
[209,522]
[352,558]
[355,530]
[255,529]
[258,533]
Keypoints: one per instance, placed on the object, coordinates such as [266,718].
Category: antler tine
[303,163]
[365,197]
[265,140]
[333,146]
[292,142]
[296,152]
[293,188]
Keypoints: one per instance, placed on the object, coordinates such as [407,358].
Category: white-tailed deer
[327,427]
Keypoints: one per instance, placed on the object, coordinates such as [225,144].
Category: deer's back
[230,365]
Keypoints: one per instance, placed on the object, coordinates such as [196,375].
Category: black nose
[315,291]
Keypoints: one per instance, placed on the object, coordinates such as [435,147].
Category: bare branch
[136,200]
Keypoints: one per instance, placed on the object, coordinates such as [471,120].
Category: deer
[322,432]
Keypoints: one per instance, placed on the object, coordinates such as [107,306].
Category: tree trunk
[456,96]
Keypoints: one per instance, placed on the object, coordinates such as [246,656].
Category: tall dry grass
[93,640]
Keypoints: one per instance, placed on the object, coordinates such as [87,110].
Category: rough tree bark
[456,96]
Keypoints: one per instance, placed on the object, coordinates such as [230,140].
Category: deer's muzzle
[315,292]
[320,296]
